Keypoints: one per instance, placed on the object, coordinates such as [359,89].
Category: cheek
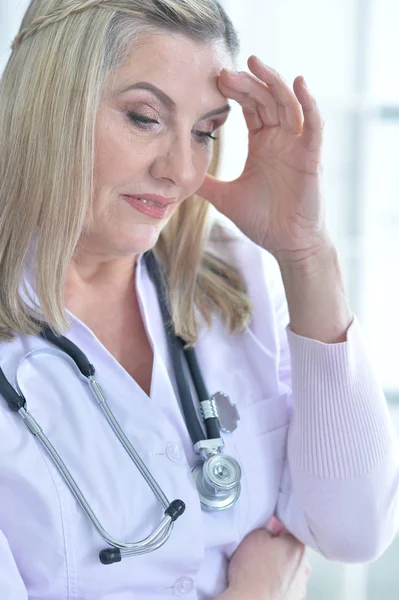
[114,148]
[203,160]
[110,157]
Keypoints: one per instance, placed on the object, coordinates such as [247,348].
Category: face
[154,141]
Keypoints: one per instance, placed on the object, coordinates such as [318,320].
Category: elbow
[365,549]
[363,541]
[364,525]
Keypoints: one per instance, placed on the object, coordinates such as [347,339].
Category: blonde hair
[49,96]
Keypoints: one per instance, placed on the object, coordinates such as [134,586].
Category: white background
[348,51]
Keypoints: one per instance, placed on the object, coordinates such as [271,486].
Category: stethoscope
[217,475]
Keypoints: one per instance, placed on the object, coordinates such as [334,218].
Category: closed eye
[205,134]
[140,120]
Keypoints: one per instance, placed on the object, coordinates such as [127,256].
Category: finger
[280,90]
[274,527]
[274,81]
[313,123]
[254,92]
[252,119]
[248,105]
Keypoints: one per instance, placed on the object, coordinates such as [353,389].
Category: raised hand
[277,200]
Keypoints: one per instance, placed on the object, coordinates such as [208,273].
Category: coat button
[174,452]
[183,586]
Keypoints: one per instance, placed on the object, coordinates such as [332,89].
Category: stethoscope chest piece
[218,482]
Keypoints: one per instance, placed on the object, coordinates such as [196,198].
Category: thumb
[215,191]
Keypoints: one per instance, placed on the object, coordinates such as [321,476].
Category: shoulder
[10,352]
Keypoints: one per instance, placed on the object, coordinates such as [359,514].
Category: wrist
[316,297]
[308,261]
[244,592]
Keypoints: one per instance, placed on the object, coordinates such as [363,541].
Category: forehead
[181,67]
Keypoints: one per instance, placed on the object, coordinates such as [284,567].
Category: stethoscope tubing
[120,434]
[76,491]
[102,402]
[161,534]
[216,492]
[177,351]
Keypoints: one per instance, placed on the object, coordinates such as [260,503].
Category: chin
[141,238]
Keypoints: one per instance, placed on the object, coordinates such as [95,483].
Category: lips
[155,207]
[150,202]
[153,199]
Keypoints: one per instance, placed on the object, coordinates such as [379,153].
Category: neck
[108,279]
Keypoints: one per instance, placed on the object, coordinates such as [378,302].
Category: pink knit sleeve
[341,427]
[340,488]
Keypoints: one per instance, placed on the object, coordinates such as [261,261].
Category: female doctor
[158,406]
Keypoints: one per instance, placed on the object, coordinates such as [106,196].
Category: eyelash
[141,121]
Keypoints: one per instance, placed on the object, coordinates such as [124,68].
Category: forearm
[237,594]
[316,298]
[229,595]
[340,431]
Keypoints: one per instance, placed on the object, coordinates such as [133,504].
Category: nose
[175,162]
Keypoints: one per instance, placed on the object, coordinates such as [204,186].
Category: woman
[108,113]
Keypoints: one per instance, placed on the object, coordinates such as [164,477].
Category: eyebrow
[168,102]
